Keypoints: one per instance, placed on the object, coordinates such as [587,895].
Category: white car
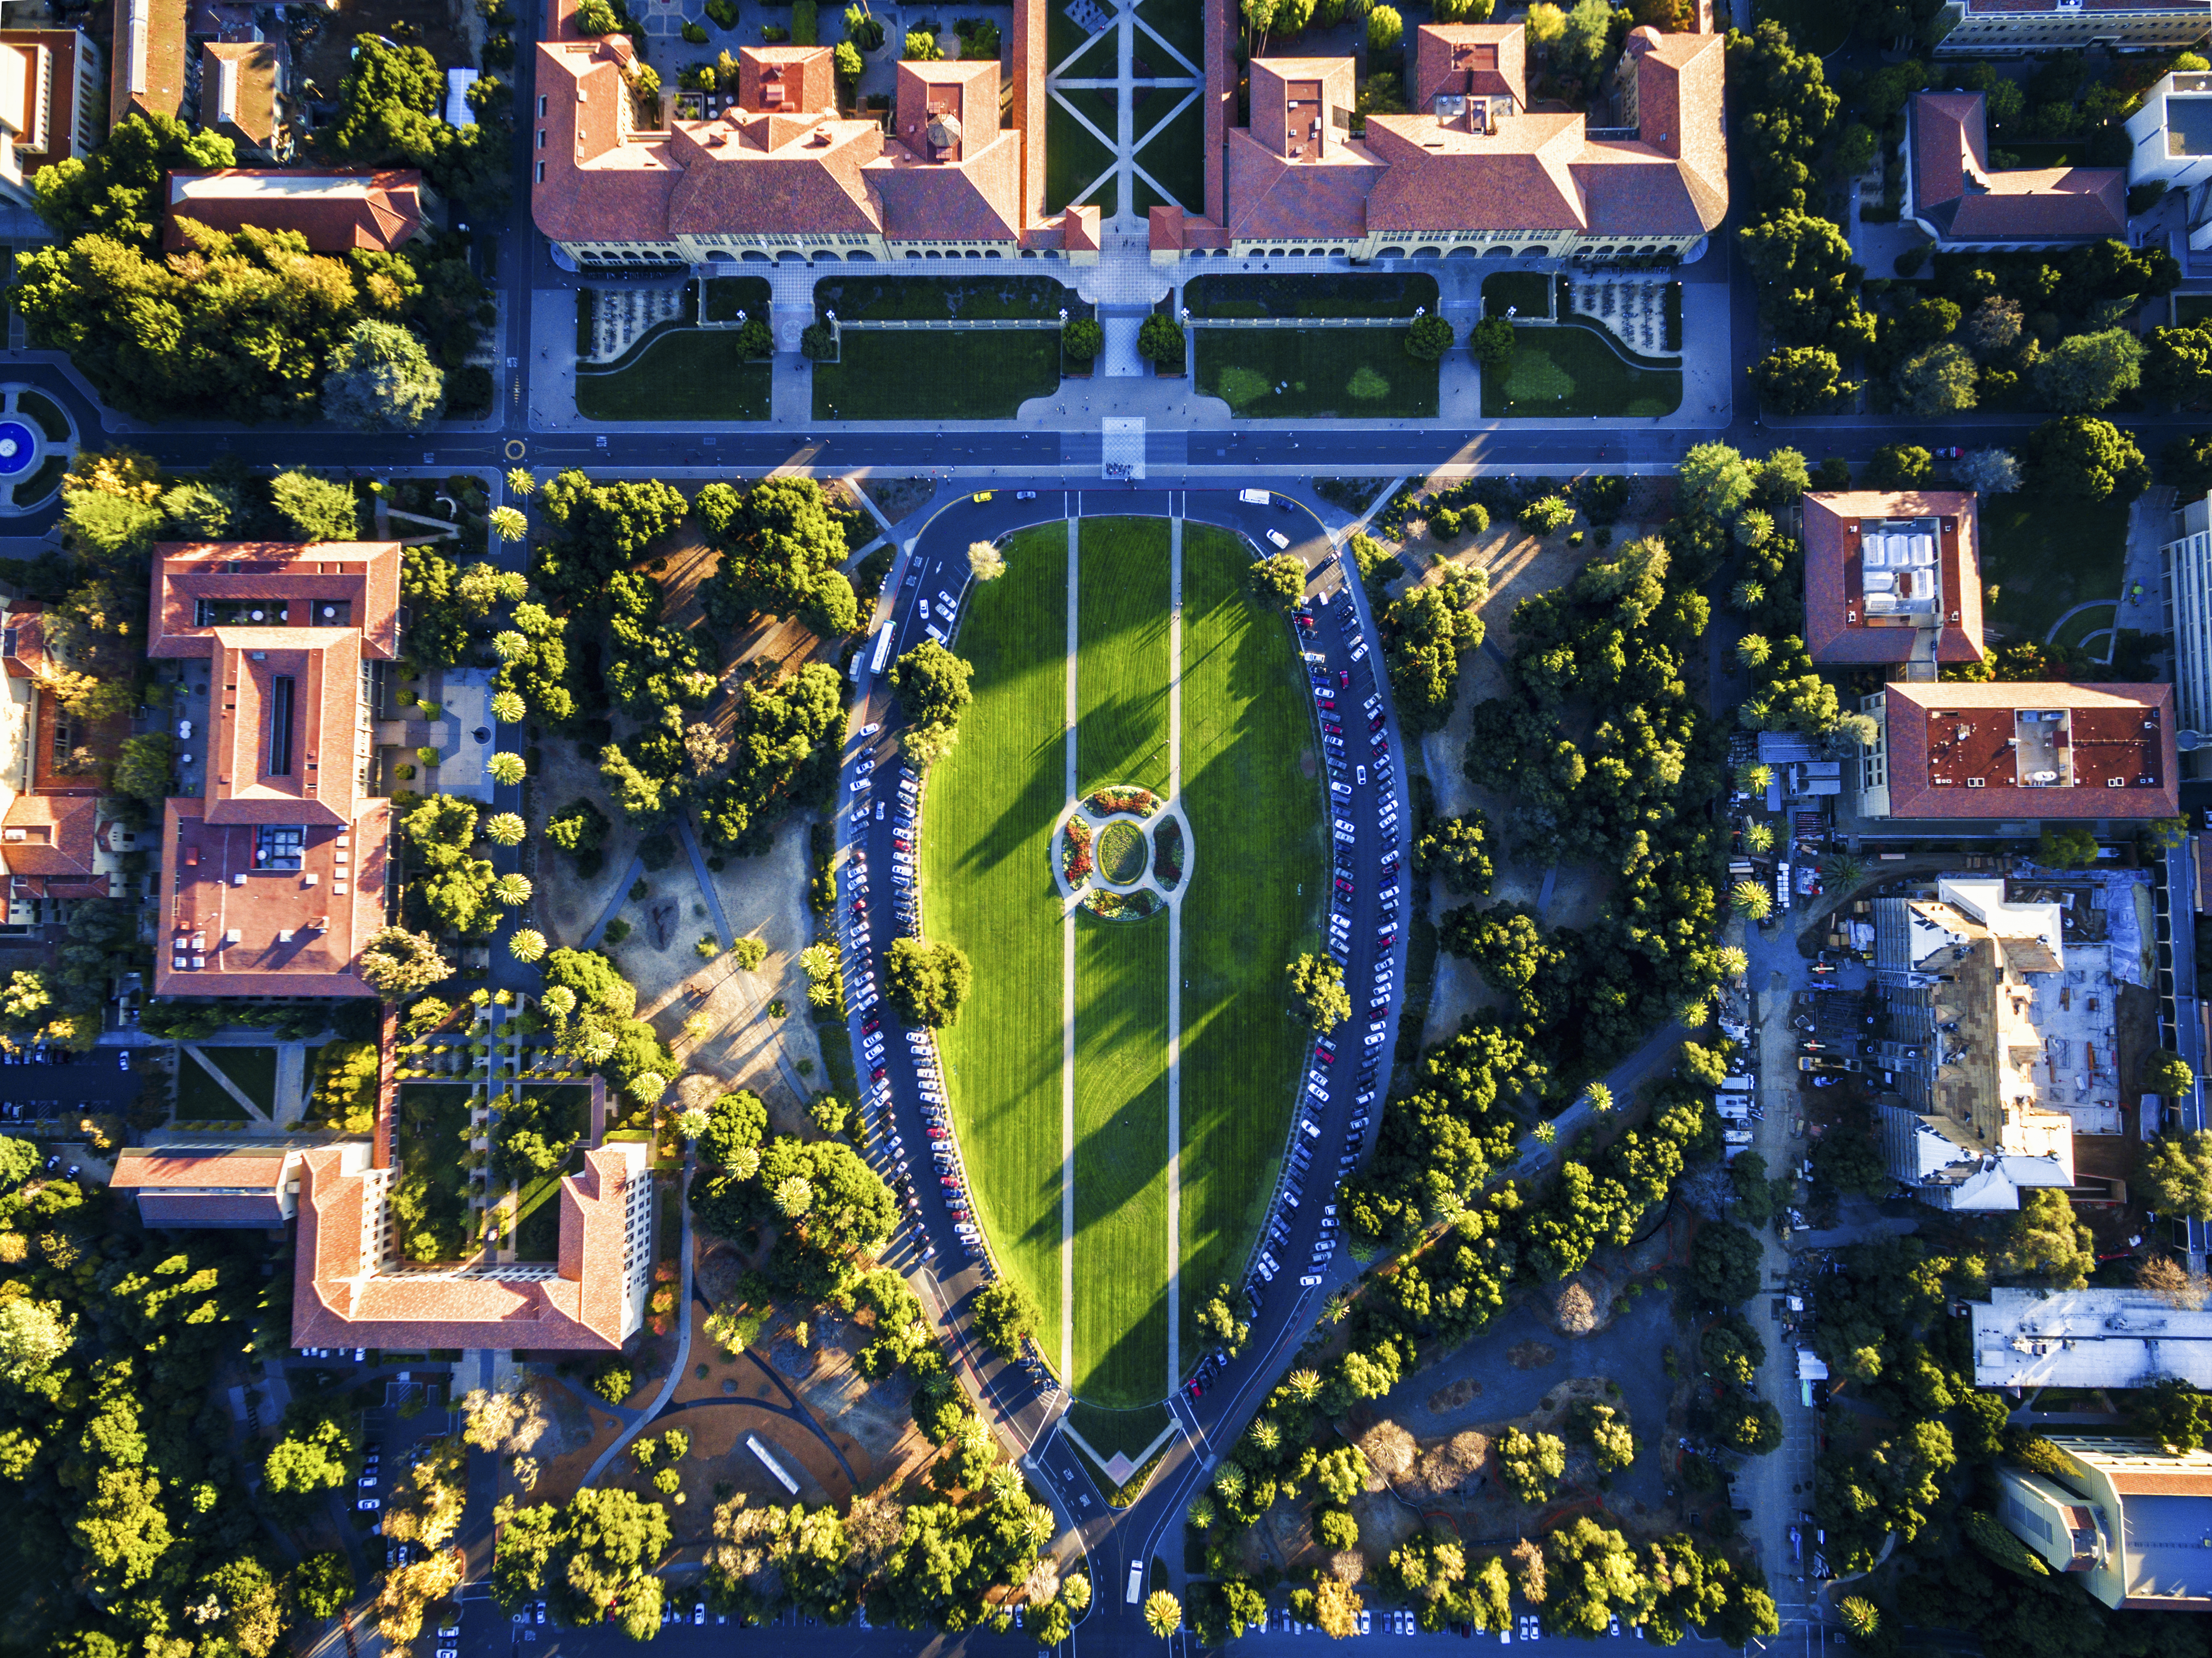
[369,1505]
[698,1613]
[1284,541]
[872,728]
[1310,1280]
[1364,1618]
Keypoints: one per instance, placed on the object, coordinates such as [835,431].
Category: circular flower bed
[1120,854]
[1167,853]
[1075,852]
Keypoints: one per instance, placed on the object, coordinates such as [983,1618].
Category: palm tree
[1731,962]
[794,1196]
[521,481]
[1265,1435]
[1759,837]
[648,1086]
[1751,778]
[506,767]
[1545,1132]
[508,707]
[508,645]
[1844,873]
[1304,1385]
[1162,1613]
[1599,1097]
[1752,900]
[507,523]
[1752,650]
[526,944]
[512,889]
[1201,1512]
[505,829]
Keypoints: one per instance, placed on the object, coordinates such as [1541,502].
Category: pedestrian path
[1171,78]
[1175,960]
[1067,1001]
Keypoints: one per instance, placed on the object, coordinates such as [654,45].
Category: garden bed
[1121,853]
[1167,853]
[1571,370]
[1322,373]
[430,1209]
[1527,292]
[728,295]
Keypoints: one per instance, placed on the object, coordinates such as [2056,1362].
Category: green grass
[988,886]
[1121,1160]
[940,298]
[1181,24]
[1106,1432]
[1569,371]
[1063,35]
[43,482]
[45,413]
[1529,292]
[1257,839]
[1121,852]
[1325,373]
[1121,678]
[959,375]
[684,373]
[1074,159]
[201,1098]
[2045,556]
[1173,150]
[728,295]
[431,1140]
[1363,294]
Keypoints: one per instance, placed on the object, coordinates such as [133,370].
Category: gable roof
[2108,735]
[338,209]
[1957,194]
[49,835]
[238,90]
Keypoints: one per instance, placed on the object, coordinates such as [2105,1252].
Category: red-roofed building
[1954,195]
[352,1289]
[338,210]
[49,102]
[2015,28]
[273,865]
[53,845]
[1892,578]
[210,1185]
[2022,752]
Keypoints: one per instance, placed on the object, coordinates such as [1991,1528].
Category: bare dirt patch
[898,497]
[1530,1355]
[1451,1396]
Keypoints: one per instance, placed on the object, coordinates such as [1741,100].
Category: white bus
[883,648]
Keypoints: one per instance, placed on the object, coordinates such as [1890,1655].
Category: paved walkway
[1068,1006]
[1178,88]
[1174,955]
[254,1114]
[630,878]
[707,888]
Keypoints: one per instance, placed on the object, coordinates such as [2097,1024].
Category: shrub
[1082,340]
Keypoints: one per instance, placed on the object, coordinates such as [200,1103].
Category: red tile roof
[336,209]
[239,91]
[1957,194]
[49,835]
[146,69]
[787,79]
[1270,197]
[361,576]
[47,93]
[1940,735]
[23,641]
[341,1299]
[199,1209]
[760,174]
[1469,59]
[1835,623]
[199,1169]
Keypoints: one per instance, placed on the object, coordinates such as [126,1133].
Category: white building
[2088,1338]
[2130,1521]
[2186,563]
[2014,29]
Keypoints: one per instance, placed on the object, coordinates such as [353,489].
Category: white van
[1253,497]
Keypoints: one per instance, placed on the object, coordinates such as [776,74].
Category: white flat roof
[2087,1338]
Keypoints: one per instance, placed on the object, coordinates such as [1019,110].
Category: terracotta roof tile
[977,199]
[1835,625]
[1956,190]
[158,1168]
[336,209]
[1270,197]
[1469,59]
[146,70]
[192,1209]
[361,576]
[239,91]
[49,835]
[787,78]
[730,178]
[23,641]
[2107,741]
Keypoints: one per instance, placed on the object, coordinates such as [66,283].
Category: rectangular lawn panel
[1181,24]
[958,375]
[1320,373]
[1076,167]
[431,1140]
[1121,1160]
[200,1098]
[728,295]
[938,299]
[1354,294]
[1527,292]
[2041,557]
[986,887]
[1567,371]
[684,373]
[1173,150]
[1255,808]
[253,1069]
[1121,678]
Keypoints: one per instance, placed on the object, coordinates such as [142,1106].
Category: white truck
[1253,497]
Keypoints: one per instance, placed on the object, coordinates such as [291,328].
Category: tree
[1750,900]
[1800,380]
[592,1560]
[1753,1426]
[507,523]
[526,944]
[1715,480]
[932,686]
[322,1584]
[2076,457]
[2085,372]
[1491,342]
[1005,1316]
[1594,1576]
[921,47]
[2175,1174]
[1082,340]
[985,561]
[1901,466]
[1385,28]
[1808,282]
[315,508]
[2177,367]
[1457,849]
[314,1455]
[927,982]
[2045,1244]
[1160,340]
[1531,1464]
[1162,1613]
[2164,1072]
[1317,989]
[2172,1413]
[397,962]
[1279,581]
[1938,381]
[1724,1264]
[1429,339]
[33,1336]
[1336,1608]
[1989,472]
[1582,41]
[381,380]
[1220,1322]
